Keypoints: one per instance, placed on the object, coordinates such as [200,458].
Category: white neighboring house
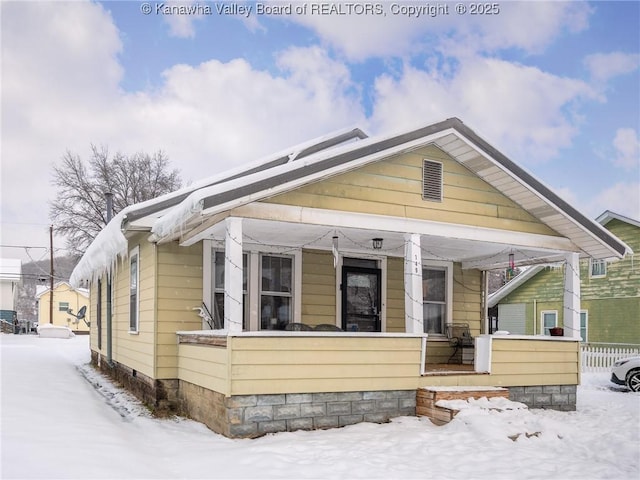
[10,277]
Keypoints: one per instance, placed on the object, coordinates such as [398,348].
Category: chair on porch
[327,327]
[298,327]
[459,338]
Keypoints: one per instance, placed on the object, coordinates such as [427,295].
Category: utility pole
[51,277]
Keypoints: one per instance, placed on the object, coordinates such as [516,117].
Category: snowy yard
[62,420]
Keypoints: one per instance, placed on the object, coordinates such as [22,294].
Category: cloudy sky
[553,85]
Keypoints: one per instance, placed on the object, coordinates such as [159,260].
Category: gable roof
[42,289]
[494,298]
[507,288]
[606,216]
[167,216]
[291,154]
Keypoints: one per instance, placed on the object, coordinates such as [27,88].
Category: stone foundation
[553,397]
[247,416]
[159,395]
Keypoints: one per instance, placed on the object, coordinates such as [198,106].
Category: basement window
[432,180]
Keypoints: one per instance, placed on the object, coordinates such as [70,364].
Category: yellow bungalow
[319,287]
[67,302]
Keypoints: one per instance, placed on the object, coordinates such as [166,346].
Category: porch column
[571,312]
[413,318]
[233,275]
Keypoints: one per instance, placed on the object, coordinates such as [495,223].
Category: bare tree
[79,209]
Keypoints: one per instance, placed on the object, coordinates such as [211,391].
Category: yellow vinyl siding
[135,350]
[179,291]
[204,365]
[535,362]
[295,363]
[323,364]
[395,295]
[394,187]
[93,317]
[318,288]
[438,351]
[467,295]
[63,293]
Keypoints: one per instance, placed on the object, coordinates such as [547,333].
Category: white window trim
[591,263]
[586,326]
[382,265]
[448,266]
[253,280]
[542,314]
[134,252]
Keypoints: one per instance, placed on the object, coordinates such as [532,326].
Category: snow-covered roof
[111,244]
[42,289]
[169,215]
[10,269]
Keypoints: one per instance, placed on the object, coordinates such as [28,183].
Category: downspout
[535,316]
[109,197]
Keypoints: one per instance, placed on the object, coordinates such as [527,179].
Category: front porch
[251,383]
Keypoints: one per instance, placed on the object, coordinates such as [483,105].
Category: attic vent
[432,181]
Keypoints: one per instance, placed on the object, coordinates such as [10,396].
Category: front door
[361,299]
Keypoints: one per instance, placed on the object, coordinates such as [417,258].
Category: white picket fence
[600,358]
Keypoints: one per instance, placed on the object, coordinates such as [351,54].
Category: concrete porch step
[427,397]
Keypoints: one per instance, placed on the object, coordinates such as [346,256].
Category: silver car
[627,372]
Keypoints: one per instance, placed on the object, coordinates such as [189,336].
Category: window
[434,299]
[549,319]
[218,289]
[432,180]
[63,306]
[597,268]
[134,289]
[276,291]
[584,320]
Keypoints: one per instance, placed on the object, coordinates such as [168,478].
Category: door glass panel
[361,299]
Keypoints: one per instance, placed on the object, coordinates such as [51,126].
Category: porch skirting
[246,416]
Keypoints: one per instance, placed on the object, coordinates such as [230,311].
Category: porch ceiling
[484,255]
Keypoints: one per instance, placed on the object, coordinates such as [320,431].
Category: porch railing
[600,357]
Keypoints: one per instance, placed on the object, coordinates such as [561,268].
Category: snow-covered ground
[60,419]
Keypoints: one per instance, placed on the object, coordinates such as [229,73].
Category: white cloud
[522,109]
[60,75]
[218,114]
[627,148]
[622,198]
[61,91]
[604,66]
[400,35]
[181,25]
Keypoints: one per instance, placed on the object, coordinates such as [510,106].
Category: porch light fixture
[334,250]
[377,243]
